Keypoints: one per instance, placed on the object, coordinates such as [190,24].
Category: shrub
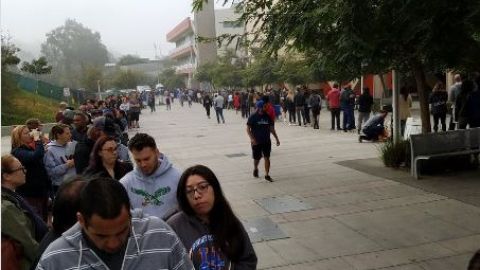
[395,155]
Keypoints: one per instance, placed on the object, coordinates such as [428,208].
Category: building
[188,53]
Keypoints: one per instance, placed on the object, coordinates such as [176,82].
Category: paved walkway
[350,219]
[353,220]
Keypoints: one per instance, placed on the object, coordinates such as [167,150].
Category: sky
[125,26]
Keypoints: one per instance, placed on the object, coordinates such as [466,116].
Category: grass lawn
[20,105]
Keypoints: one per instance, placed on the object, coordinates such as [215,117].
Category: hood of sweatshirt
[164,166]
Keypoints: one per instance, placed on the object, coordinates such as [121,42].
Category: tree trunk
[421,82]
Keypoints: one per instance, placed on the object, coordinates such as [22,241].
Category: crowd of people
[88,195]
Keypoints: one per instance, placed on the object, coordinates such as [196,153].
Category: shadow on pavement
[460,185]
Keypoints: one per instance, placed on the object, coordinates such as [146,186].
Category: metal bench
[442,144]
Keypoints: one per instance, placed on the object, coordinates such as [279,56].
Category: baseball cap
[260,104]
[106,125]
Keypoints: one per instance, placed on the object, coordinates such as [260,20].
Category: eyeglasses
[200,188]
[18,169]
[111,150]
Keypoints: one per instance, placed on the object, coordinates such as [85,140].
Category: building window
[231,24]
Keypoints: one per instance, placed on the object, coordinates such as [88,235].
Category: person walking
[207,226]
[315,103]
[333,98]
[207,104]
[365,102]
[259,127]
[438,102]
[218,103]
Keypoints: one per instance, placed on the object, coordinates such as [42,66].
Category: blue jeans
[219,112]
[348,118]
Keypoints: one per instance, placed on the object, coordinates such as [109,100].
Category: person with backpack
[315,103]
[347,104]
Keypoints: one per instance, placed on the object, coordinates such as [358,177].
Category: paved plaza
[319,214]
[350,219]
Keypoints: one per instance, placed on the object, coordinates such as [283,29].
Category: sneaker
[255,173]
[360,139]
[268,178]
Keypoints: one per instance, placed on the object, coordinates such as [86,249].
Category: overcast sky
[126,26]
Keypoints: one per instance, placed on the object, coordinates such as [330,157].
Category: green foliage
[17,107]
[90,75]
[131,60]
[128,79]
[9,58]
[394,155]
[70,48]
[37,67]
[170,79]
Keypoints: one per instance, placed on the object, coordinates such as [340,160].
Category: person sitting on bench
[374,128]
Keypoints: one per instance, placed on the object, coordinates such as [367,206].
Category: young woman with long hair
[207,226]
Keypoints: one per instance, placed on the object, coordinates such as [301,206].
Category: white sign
[66,92]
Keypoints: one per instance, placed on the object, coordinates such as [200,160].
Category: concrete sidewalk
[322,215]
[352,220]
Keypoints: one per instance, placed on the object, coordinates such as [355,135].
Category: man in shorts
[259,127]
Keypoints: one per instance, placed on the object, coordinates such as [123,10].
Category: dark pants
[291,115]
[373,132]
[315,113]
[300,115]
[219,112]
[348,118]
[439,117]
[335,113]
[307,114]
[207,108]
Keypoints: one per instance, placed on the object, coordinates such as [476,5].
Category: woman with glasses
[27,147]
[207,226]
[104,160]
[22,229]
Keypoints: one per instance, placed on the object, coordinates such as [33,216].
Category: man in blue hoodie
[152,185]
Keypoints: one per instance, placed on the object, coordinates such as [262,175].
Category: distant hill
[18,105]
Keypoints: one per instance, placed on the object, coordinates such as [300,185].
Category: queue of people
[107,211]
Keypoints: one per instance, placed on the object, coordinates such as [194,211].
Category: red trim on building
[181,28]
[182,52]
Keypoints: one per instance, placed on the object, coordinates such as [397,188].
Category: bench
[443,144]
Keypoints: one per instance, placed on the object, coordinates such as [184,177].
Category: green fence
[44,89]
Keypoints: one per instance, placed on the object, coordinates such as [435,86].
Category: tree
[9,58]
[71,48]
[350,37]
[170,79]
[90,76]
[131,60]
[128,79]
[37,67]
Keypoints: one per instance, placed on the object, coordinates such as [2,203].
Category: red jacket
[270,111]
[333,98]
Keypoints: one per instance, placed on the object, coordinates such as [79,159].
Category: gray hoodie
[151,243]
[156,194]
[199,243]
[55,162]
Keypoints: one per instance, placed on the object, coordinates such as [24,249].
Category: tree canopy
[350,37]
[131,60]
[70,48]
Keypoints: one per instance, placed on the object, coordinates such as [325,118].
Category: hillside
[18,106]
